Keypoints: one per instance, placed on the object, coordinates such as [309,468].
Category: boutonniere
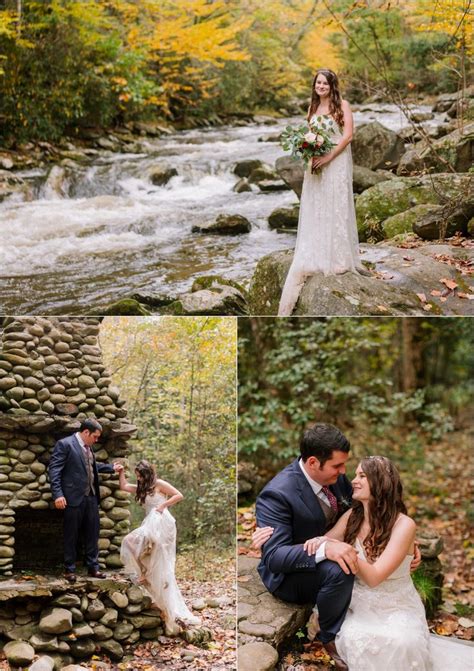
[343,505]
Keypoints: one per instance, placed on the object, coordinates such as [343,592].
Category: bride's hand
[260,535]
[311,546]
[416,561]
[160,508]
[319,161]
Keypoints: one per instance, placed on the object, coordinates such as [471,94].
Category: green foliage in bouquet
[309,140]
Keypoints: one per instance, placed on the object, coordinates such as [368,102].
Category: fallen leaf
[382,308]
[466,622]
[422,297]
[451,284]
[469,297]
[427,307]
[435,292]
[408,258]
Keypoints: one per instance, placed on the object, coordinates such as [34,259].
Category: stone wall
[51,377]
[74,622]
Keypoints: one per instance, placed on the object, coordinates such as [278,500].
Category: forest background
[401,388]
[70,64]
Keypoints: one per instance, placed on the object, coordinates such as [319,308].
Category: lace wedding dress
[327,240]
[150,551]
[385,629]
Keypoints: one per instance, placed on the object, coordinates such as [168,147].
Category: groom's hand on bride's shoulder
[344,555]
[416,561]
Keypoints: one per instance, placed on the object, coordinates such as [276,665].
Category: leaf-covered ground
[437,490]
[200,576]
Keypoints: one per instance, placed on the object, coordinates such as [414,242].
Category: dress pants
[327,586]
[82,521]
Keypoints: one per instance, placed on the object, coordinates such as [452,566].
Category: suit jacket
[68,471]
[288,504]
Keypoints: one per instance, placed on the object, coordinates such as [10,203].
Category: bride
[385,626]
[149,552]
[327,239]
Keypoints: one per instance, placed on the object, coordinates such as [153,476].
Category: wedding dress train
[150,551]
[385,629]
[327,240]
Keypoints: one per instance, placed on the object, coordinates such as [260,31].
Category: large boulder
[284,217]
[363,178]
[456,149]
[19,653]
[210,295]
[291,172]
[446,100]
[225,224]
[394,196]
[245,168]
[404,222]
[443,222]
[406,274]
[375,146]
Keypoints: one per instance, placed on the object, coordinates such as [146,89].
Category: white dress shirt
[317,489]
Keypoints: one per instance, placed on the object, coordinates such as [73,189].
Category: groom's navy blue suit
[289,505]
[69,478]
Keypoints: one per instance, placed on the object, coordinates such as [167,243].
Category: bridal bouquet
[309,140]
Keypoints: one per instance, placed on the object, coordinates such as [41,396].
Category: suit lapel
[305,492]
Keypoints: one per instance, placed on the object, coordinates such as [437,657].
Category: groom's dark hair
[320,441]
[90,424]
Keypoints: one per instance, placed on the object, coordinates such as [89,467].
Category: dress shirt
[317,489]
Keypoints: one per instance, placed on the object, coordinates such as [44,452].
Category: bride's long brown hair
[147,481]
[335,100]
[385,505]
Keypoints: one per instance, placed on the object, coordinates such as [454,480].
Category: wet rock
[225,224]
[19,653]
[375,146]
[284,217]
[126,307]
[270,185]
[161,174]
[242,186]
[456,149]
[257,657]
[245,168]
[261,174]
[418,117]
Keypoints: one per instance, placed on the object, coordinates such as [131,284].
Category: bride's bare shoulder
[345,104]
[405,523]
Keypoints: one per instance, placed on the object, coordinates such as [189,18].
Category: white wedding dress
[327,240]
[153,544]
[385,629]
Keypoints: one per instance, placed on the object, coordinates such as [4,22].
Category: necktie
[331,498]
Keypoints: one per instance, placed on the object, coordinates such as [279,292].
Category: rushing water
[98,233]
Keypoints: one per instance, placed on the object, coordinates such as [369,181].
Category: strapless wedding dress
[385,629]
[153,545]
[327,240]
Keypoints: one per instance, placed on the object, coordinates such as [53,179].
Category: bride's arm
[335,534]
[123,482]
[399,545]
[174,494]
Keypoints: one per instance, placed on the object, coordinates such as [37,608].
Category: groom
[303,501]
[74,477]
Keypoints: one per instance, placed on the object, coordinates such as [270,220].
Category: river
[107,232]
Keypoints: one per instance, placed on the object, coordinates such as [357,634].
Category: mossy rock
[394,196]
[403,222]
[126,307]
[284,217]
[212,282]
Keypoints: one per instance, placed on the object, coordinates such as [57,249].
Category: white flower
[319,139]
[310,137]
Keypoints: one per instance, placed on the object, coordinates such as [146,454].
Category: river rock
[418,117]
[257,657]
[456,148]
[443,222]
[225,224]
[161,174]
[270,185]
[284,217]
[44,663]
[404,222]
[245,168]
[242,186]
[291,172]
[58,621]
[391,197]
[375,146]
[351,294]
[126,307]
[112,648]
[19,653]
[219,300]
[263,173]
[363,178]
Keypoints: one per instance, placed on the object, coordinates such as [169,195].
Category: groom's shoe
[95,573]
[70,577]
[339,663]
